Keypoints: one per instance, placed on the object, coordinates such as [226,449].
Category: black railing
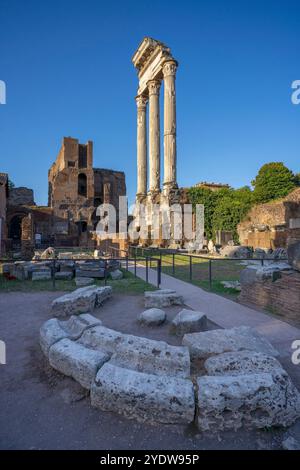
[104,264]
[144,254]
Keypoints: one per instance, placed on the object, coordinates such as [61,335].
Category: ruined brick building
[75,190]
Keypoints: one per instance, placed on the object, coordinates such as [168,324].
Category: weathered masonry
[154,63]
[76,189]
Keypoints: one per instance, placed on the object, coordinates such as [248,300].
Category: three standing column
[141,102]
[154,136]
[170,152]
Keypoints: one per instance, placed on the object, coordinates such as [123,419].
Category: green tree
[274,180]
[231,209]
[297,179]
[11,184]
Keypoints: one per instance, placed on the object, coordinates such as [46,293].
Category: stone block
[209,343]
[162,298]
[84,281]
[42,275]
[54,330]
[152,317]
[251,400]
[141,354]
[82,300]
[76,361]
[241,362]
[64,275]
[188,321]
[145,397]
[116,275]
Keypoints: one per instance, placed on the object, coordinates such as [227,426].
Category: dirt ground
[41,409]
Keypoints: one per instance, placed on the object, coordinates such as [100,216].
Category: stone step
[145,397]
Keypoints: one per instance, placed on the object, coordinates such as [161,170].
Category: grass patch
[128,285]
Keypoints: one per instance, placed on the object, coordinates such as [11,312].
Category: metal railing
[141,253]
[104,264]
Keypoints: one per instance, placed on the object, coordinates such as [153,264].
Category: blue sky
[67,67]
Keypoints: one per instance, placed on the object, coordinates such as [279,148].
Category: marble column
[154,136]
[170,176]
[141,102]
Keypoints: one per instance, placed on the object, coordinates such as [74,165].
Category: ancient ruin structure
[154,63]
[272,225]
[76,189]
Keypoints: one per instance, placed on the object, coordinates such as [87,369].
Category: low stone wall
[281,296]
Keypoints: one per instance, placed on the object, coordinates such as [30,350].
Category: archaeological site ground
[144,306]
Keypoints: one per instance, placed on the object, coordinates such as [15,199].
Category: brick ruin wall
[281,297]
[271,225]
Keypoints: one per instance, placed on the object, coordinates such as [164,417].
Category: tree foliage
[274,180]
[226,208]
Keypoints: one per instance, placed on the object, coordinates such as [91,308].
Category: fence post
[105,272]
[262,261]
[173,264]
[147,269]
[53,274]
[126,261]
[210,274]
[158,273]
[135,263]
[191,267]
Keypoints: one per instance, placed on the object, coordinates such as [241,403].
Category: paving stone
[145,397]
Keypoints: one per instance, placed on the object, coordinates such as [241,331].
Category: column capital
[154,87]
[141,101]
[169,68]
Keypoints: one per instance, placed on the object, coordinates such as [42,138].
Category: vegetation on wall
[226,208]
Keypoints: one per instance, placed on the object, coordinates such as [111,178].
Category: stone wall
[76,189]
[21,196]
[281,296]
[270,225]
